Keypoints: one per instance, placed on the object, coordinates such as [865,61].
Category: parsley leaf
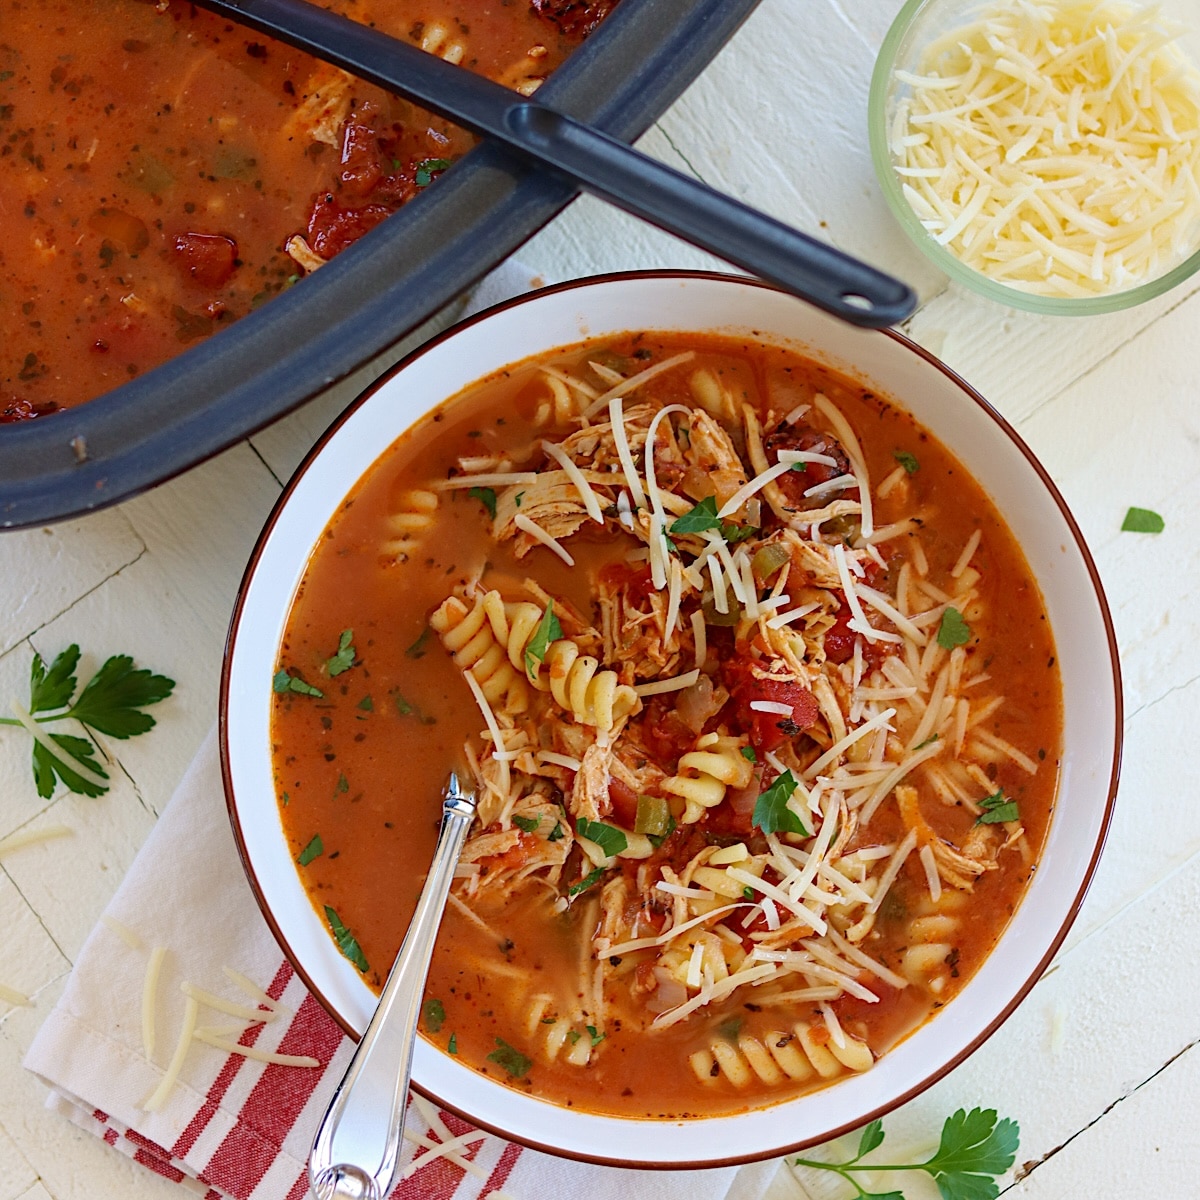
[771,812]
[997,809]
[907,461]
[610,839]
[953,631]
[112,699]
[513,1061]
[343,659]
[487,497]
[54,688]
[434,1013]
[46,766]
[314,849]
[588,881]
[1142,520]
[428,169]
[701,518]
[595,1035]
[975,1148]
[547,632]
[111,702]
[345,940]
[283,682]
[527,824]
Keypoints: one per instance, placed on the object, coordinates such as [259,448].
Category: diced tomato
[209,258]
[573,18]
[635,579]
[839,638]
[793,484]
[361,167]
[332,226]
[667,737]
[767,730]
[624,802]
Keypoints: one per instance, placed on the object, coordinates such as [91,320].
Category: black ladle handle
[600,164]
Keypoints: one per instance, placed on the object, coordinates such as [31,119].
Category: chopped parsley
[283,682]
[547,632]
[343,657]
[595,1035]
[513,1061]
[997,809]
[487,497]
[703,517]
[610,839]
[907,461]
[747,752]
[953,631]
[771,812]
[428,169]
[314,849]
[452,1044]
[433,1012]
[366,704]
[586,883]
[417,649]
[345,940]
[527,824]
[1142,520]
[343,785]
[556,833]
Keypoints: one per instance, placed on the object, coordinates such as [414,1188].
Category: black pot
[364,300]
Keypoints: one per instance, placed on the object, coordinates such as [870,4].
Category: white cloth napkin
[233,1127]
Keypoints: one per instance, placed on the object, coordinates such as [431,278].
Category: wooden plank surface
[1099,1064]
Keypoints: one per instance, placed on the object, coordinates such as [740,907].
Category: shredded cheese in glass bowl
[1045,152]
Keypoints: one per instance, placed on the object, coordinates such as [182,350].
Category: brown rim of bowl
[943,1069]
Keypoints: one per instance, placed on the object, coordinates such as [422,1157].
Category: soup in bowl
[786,686]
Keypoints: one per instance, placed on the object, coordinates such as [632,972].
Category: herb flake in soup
[765,725]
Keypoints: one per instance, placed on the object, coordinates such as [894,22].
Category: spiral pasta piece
[476,637]
[574,679]
[409,522]
[704,774]
[779,1056]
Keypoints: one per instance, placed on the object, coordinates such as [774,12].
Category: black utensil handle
[600,164]
[750,239]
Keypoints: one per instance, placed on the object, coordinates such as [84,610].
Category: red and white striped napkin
[236,1128]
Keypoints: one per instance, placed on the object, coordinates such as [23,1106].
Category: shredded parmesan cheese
[52,748]
[670,685]
[122,931]
[150,999]
[535,531]
[1055,147]
[11,996]
[30,837]
[186,1031]
[263,1056]
[586,493]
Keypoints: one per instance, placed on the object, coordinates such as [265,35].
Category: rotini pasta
[413,517]
[717,763]
[753,802]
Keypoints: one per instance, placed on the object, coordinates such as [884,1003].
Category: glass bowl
[918,25]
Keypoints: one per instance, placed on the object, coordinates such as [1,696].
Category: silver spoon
[358,1142]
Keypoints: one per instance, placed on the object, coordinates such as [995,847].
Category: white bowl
[940,401]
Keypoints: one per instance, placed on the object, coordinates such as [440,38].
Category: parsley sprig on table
[111,702]
[975,1148]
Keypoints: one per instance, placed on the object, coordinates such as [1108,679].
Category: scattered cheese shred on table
[1055,146]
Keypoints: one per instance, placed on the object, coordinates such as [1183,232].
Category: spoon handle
[358,1143]
[600,164]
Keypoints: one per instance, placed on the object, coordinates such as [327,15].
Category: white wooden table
[1099,1064]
